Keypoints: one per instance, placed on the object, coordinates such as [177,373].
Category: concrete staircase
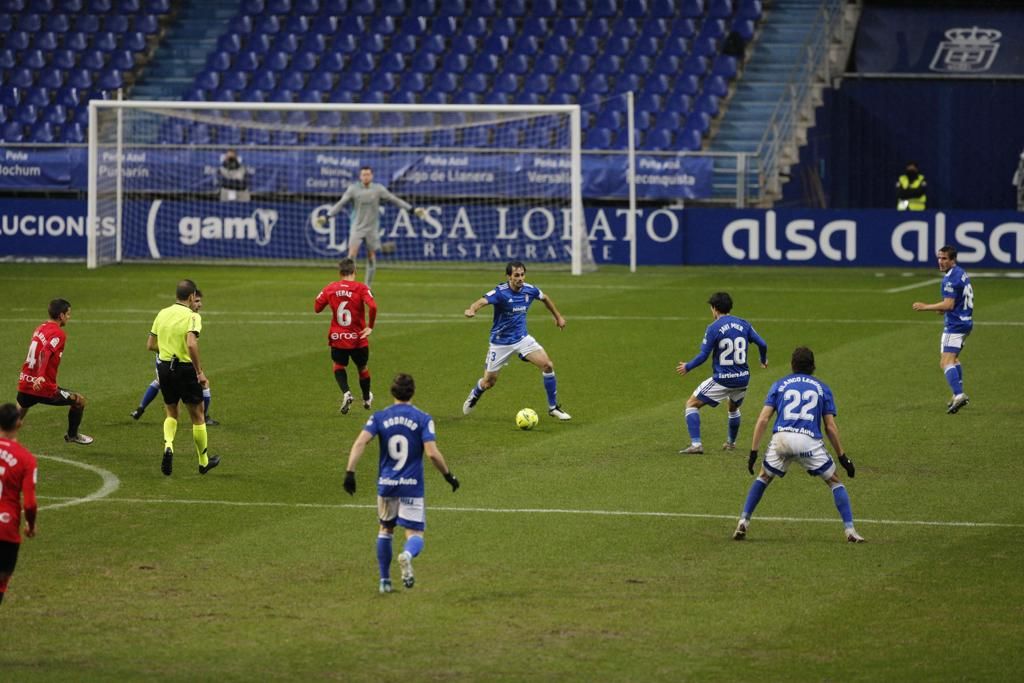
[182,54]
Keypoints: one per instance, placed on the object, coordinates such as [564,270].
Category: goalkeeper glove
[420,212]
[847,465]
[452,481]
[321,221]
[751,459]
[350,483]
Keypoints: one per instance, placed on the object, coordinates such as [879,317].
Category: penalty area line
[553,511]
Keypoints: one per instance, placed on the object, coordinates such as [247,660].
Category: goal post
[495,182]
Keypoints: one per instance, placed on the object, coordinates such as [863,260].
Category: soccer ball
[527,418]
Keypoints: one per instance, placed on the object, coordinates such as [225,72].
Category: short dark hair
[403,387]
[802,360]
[9,415]
[186,288]
[346,266]
[949,250]
[721,302]
[58,306]
[512,265]
[366,167]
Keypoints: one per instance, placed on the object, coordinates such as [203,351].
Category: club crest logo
[967,51]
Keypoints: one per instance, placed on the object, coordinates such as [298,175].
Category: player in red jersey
[17,480]
[38,380]
[349,335]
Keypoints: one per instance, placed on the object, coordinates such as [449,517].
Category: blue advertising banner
[536,233]
[993,239]
[307,171]
[977,41]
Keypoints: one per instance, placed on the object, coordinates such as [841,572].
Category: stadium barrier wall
[441,173]
[41,229]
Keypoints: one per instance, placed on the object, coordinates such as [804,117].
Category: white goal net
[244,182]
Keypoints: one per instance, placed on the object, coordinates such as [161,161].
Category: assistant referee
[174,337]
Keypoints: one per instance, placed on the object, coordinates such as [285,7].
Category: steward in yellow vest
[911,189]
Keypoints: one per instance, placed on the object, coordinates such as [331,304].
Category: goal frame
[578,229]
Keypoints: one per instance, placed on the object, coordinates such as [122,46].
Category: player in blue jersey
[405,432]
[511,300]
[727,340]
[803,402]
[958,306]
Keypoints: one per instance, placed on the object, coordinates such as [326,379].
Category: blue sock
[151,392]
[960,374]
[478,389]
[206,402]
[384,555]
[953,379]
[842,500]
[551,387]
[693,424]
[734,426]
[753,497]
[414,545]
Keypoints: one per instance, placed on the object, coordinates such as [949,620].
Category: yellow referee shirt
[170,328]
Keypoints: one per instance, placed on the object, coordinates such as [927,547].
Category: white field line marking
[916,285]
[557,511]
[110,484]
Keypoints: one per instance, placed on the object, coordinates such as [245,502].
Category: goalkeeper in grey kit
[364,225]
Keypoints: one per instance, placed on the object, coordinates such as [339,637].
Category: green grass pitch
[584,551]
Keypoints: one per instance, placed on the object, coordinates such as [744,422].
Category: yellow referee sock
[199,436]
[170,429]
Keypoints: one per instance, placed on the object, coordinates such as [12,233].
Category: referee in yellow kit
[175,338]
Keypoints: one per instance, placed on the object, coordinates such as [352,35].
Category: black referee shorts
[179,383]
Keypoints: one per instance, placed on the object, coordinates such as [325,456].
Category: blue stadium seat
[475,26]
[230,42]
[8,59]
[547,64]
[689,140]
[725,66]
[12,131]
[539,84]
[264,79]
[587,45]
[17,40]
[352,81]
[604,8]
[597,84]
[392,62]
[618,46]
[561,98]
[74,133]
[21,77]
[647,46]
[476,136]
[629,81]
[128,6]
[529,98]
[455,63]
[313,43]
[225,95]
[45,40]
[71,97]
[147,24]
[111,79]
[219,61]
[558,45]
[52,77]
[527,45]
[334,7]
[504,26]
[635,9]
[691,9]
[235,80]
[687,85]
[208,80]
[115,23]
[134,41]
[383,25]
[569,27]
[324,24]
[269,24]
[744,28]
[684,28]
[656,28]
[657,140]
[516,64]
[476,83]
[495,97]
[305,61]
[372,42]
[538,27]
[464,44]
[513,8]
[568,83]
[445,26]
[486,63]
[93,60]
[658,84]
[292,80]
[444,81]
[699,121]
[707,103]
[720,9]
[312,96]
[258,136]
[321,80]
[362,62]
[628,27]
[27,113]
[331,62]
[307,7]
[383,81]
[496,44]
[610,119]
[79,78]
[507,82]
[425,62]
[43,131]
[749,9]
[579,64]
[696,65]
[10,96]
[713,28]
[38,96]
[123,59]
[508,137]
[433,43]
[638,64]
[608,64]
[279,6]
[344,44]
[76,41]
[30,23]
[404,44]
[413,26]
[598,27]
[650,102]
[286,42]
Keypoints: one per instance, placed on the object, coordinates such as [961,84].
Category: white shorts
[409,513]
[810,453]
[953,342]
[498,355]
[713,393]
[370,237]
